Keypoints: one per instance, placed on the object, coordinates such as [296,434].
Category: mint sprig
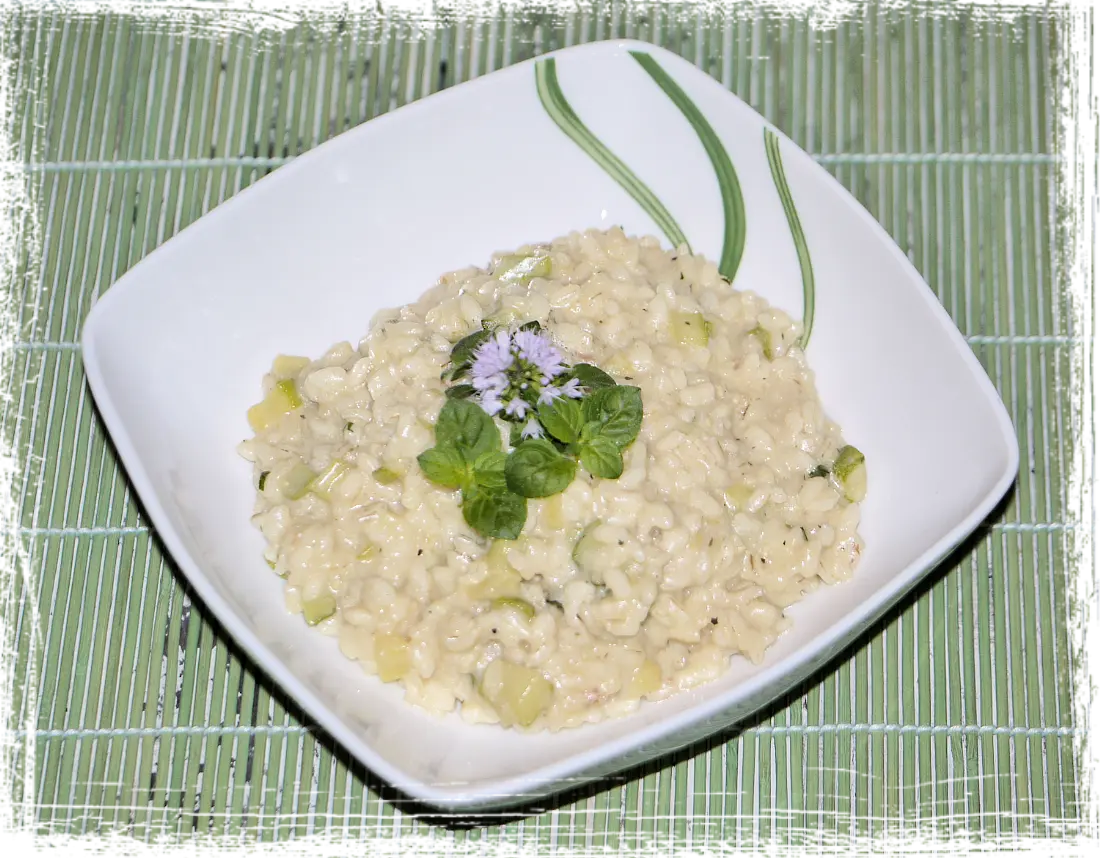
[616,413]
[589,421]
[470,430]
[562,419]
[495,513]
[591,377]
[468,456]
[535,469]
[602,457]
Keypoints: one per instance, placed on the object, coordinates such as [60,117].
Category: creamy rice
[641,586]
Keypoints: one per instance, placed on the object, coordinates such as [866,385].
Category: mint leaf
[562,418]
[591,377]
[618,410]
[494,512]
[535,469]
[462,355]
[463,351]
[444,465]
[464,425]
[602,457]
[590,430]
[489,470]
[531,326]
[461,391]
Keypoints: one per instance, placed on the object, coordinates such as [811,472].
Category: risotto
[737,497]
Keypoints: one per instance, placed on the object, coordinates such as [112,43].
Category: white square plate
[175,351]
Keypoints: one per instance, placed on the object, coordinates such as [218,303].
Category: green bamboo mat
[954,718]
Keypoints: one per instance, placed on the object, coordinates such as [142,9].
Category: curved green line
[733,203]
[775,162]
[558,109]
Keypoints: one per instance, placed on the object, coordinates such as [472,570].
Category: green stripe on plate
[733,203]
[558,109]
[775,163]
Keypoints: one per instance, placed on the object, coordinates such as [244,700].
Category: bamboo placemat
[954,718]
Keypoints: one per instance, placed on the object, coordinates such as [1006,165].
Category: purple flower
[537,349]
[548,394]
[492,357]
[509,366]
[572,389]
[490,402]
[531,429]
[498,382]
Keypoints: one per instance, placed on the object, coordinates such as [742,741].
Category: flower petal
[531,429]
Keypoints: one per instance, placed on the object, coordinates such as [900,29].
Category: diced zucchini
[386,475]
[518,694]
[585,548]
[689,329]
[554,512]
[619,364]
[739,495]
[516,268]
[502,581]
[818,471]
[765,337]
[503,318]
[282,400]
[645,680]
[391,656]
[288,366]
[322,484]
[318,609]
[263,480]
[274,564]
[521,605]
[297,481]
[851,469]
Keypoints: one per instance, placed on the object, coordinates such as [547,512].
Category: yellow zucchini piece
[282,400]
[385,475]
[297,481]
[319,608]
[739,495]
[765,337]
[851,469]
[391,656]
[645,680]
[689,329]
[521,605]
[585,546]
[516,268]
[502,581]
[503,318]
[518,694]
[288,366]
[554,512]
[322,484]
